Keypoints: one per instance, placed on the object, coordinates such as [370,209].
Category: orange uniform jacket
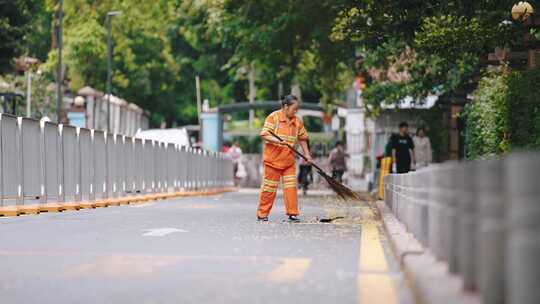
[277,156]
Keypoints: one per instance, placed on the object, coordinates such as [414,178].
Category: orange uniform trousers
[269,190]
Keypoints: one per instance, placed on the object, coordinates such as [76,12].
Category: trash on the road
[330,219]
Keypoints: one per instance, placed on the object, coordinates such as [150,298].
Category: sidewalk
[429,279]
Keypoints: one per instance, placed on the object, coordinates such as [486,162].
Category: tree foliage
[440,45]
[487,118]
[18,18]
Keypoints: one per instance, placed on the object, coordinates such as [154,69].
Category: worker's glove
[394,168]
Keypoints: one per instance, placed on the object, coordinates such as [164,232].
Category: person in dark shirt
[402,149]
[337,161]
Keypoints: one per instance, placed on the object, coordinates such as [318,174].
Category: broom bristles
[341,190]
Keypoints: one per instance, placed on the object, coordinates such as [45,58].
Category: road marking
[161,231]
[374,282]
[290,270]
[142,205]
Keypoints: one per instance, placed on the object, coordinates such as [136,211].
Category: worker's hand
[309,159]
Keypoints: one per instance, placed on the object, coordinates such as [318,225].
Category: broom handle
[295,151]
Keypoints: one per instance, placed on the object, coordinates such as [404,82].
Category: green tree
[16,27]
[289,41]
[439,46]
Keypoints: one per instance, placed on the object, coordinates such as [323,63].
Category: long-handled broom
[343,191]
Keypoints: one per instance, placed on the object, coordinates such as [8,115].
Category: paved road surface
[199,250]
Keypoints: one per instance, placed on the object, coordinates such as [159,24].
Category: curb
[427,278]
[36,209]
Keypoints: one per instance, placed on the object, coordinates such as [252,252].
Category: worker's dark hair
[339,143]
[403,124]
[421,129]
[288,100]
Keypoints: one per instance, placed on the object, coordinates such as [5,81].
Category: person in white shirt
[235,154]
[422,146]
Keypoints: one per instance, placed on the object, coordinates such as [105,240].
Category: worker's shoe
[294,219]
[262,219]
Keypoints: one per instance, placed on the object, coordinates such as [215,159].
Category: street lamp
[522,11]
[109,65]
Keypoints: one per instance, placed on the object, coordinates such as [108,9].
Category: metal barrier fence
[42,162]
[482,218]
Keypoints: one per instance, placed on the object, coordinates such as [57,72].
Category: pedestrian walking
[422,148]
[279,161]
[337,161]
[402,150]
[235,154]
[305,176]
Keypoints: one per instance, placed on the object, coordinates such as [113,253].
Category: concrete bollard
[406,206]
[466,223]
[523,247]
[423,216]
[387,180]
[449,217]
[435,207]
[397,195]
[491,235]
[410,208]
[413,212]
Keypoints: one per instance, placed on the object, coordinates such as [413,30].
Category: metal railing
[482,218]
[43,162]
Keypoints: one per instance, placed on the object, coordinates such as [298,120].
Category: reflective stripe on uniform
[289,181]
[268,189]
[269,185]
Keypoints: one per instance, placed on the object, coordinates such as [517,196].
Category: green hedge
[505,114]
[524,109]
[487,118]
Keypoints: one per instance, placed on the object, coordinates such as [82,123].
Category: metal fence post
[131,163]
[87,168]
[180,167]
[1,165]
[11,175]
[170,166]
[70,163]
[187,168]
[100,164]
[111,165]
[149,172]
[32,162]
[51,143]
[139,165]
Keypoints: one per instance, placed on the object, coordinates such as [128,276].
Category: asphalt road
[199,250]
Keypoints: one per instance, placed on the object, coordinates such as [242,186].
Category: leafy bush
[524,109]
[505,114]
[487,118]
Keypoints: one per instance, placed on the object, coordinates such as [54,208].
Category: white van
[177,136]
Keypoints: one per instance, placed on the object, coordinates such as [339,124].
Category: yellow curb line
[374,282]
[102,203]
[50,207]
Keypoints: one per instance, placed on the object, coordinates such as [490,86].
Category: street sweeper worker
[279,161]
